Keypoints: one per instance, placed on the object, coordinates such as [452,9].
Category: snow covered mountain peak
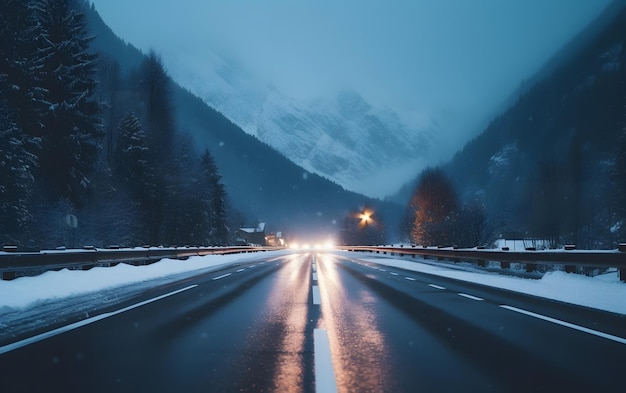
[344,138]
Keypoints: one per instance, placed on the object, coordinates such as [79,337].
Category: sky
[456,59]
[406,52]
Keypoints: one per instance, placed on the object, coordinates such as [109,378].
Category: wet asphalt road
[296,322]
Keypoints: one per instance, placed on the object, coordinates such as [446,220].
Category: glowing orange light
[366,217]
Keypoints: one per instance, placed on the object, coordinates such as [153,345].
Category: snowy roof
[259,228]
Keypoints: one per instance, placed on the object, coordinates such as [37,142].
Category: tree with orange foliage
[432,208]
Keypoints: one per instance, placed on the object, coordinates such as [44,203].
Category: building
[251,236]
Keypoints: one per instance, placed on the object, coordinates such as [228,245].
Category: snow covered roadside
[604,292]
[31,303]
[57,298]
[28,291]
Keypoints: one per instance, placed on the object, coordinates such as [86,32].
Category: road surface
[323,322]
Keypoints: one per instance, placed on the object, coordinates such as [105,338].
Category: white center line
[317,300]
[240,270]
[324,373]
[436,286]
[222,276]
[394,274]
[84,322]
[470,296]
[620,340]
[410,278]
[382,270]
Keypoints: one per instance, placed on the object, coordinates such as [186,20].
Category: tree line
[80,137]
[435,216]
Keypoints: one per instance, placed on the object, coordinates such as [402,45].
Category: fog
[454,60]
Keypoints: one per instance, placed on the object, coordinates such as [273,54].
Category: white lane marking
[240,270]
[316,295]
[409,278]
[394,274]
[84,322]
[436,286]
[222,276]
[250,266]
[470,296]
[567,324]
[382,270]
[324,373]
[314,276]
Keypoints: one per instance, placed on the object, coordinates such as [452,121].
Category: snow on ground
[604,292]
[28,291]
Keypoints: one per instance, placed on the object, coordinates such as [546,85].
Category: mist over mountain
[548,167]
[366,149]
[260,182]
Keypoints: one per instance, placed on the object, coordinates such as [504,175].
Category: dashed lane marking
[317,300]
[324,372]
[222,276]
[471,296]
[84,322]
[409,278]
[436,286]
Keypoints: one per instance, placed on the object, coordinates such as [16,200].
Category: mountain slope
[260,181]
[343,138]
[544,166]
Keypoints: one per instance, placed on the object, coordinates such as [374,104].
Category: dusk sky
[456,57]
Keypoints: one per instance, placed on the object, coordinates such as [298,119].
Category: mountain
[544,166]
[343,138]
[260,182]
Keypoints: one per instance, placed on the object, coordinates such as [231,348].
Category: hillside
[543,166]
[341,137]
[260,182]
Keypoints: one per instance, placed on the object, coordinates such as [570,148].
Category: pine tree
[21,70]
[131,152]
[185,221]
[71,126]
[154,98]
[134,170]
[218,233]
[16,165]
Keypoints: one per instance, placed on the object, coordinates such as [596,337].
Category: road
[307,322]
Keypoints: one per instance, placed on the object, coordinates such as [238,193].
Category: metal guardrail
[15,264]
[570,258]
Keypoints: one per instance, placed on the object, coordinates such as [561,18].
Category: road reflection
[360,356]
[287,307]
